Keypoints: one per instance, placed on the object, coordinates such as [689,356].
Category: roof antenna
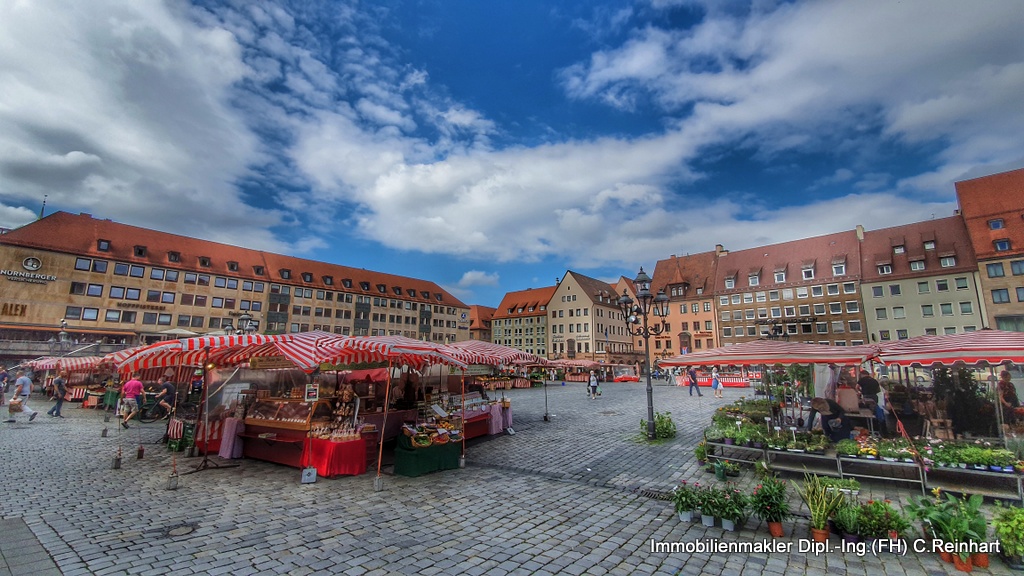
[43,207]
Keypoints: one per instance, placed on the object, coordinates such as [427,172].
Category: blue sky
[490,146]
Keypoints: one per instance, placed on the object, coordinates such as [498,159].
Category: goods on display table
[428,448]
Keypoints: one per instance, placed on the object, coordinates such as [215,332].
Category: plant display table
[1002,485]
[876,469]
[733,452]
[412,461]
[800,462]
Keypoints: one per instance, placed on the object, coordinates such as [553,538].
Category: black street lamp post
[637,313]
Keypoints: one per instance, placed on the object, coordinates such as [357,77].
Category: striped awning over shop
[394,349]
[773,352]
[494,354]
[81,364]
[983,347]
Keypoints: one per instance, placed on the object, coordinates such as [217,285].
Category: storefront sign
[13,309]
[312,392]
[29,277]
[134,306]
[269,362]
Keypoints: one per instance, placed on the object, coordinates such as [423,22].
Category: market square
[571,495]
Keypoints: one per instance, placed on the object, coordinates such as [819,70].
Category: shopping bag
[15,406]
[598,390]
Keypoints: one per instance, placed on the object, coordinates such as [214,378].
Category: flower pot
[759,445]
[728,525]
[894,535]
[833,528]
[961,465]
[686,515]
[962,565]
[851,538]
[775,528]
[946,556]
[819,534]
[707,520]
[979,559]
[996,468]
[730,441]
[1008,469]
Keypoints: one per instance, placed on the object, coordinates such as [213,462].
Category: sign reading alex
[13,309]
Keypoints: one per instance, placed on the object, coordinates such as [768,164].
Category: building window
[233,266]
[901,335]
[258,270]
[877,291]
[917,265]
[995,270]
[727,331]
[832,289]
[140,251]
[808,273]
[773,295]
[839,269]
[881,314]
[966,308]
[898,313]
[929,245]
[849,288]
[961,283]
[923,288]
[899,249]
[780,276]
[94,290]
[821,327]
[307,277]
[1001,296]
[855,326]
[1001,245]
[835,308]
[946,309]
[838,327]
[103,245]
[1020,294]
[801,292]
[285,274]
[894,290]
[805,309]
[942,285]
[173,257]
[947,262]
[730,283]
[884,269]
[204,261]
[819,309]
[852,306]
[884,335]
[927,310]
[995,224]
[753,280]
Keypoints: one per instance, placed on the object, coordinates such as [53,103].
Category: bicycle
[154,411]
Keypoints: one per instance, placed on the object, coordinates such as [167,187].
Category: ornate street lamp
[637,313]
[245,324]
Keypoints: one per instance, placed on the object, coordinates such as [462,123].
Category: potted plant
[1009,528]
[734,509]
[847,521]
[848,448]
[701,452]
[709,502]
[770,503]
[685,499]
[878,519]
[732,469]
[821,502]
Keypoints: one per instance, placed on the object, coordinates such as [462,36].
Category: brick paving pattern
[575,495]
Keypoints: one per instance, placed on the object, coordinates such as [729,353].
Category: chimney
[720,250]
[860,232]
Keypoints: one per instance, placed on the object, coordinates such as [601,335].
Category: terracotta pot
[979,559]
[946,556]
[962,565]
[819,534]
[775,528]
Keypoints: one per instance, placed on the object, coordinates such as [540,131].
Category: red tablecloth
[337,458]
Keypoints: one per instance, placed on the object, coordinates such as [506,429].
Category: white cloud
[478,278]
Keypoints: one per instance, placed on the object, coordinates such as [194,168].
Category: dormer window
[103,245]
[285,274]
[329,280]
[884,269]
[929,245]
[730,283]
[382,288]
[780,276]
[174,256]
[807,271]
[1001,245]
[233,266]
[346,282]
[700,291]
[204,261]
[996,224]
[753,279]
[425,294]
[900,249]
[307,277]
[412,293]
[140,251]
[364,285]
[396,290]
[839,269]
[438,297]
[258,270]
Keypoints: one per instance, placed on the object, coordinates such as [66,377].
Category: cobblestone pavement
[574,495]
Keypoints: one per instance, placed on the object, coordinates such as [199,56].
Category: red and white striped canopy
[48,363]
[81,364]
[773,352]
[983,347]
[396,349]
[301,348]
[494,354]
[576,363]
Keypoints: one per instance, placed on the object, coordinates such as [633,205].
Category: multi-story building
[480,322]
[126,282]
[919,279]
[993,209]
[521,320]
[691,322]
[804,291]
[584,321]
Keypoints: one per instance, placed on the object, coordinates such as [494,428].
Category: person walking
[130,392]
[716,384]
[691,375]
[22,390]
[593,385]
[60,389]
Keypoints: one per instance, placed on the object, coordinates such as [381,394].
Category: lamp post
[637,313]
[245,324]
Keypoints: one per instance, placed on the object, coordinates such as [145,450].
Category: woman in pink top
[131,394]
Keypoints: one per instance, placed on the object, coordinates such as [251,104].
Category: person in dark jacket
[834,422]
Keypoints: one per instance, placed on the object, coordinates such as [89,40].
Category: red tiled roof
[999,196]
[479,316]
[949,235]
[819,251]
[593,287]
[698,270]
[81,235]
[524,299]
